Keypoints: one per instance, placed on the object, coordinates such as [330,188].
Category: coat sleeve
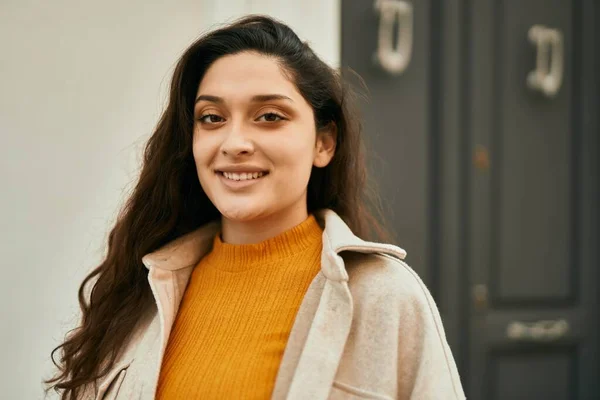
[426,368]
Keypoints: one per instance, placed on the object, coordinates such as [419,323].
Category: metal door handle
[548,73]
[394,59]
[540,331]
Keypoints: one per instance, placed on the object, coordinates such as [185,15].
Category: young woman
[238,269]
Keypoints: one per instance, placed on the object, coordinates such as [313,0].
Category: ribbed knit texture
[236,316]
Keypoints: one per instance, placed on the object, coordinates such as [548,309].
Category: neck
[261,229]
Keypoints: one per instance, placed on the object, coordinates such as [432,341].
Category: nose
[236,144]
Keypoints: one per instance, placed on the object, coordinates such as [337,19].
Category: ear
[325,146]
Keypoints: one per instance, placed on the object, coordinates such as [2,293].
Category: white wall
[316,21]
[82,84]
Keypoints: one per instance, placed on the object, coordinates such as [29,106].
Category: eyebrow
[259,98]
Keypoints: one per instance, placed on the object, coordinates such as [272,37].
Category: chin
[243,213]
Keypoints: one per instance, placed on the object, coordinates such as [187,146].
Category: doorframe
[590,167]
[592,35]
[452,171]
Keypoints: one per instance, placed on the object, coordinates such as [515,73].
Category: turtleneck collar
[240,257]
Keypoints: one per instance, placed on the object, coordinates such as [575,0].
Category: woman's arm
[426,368]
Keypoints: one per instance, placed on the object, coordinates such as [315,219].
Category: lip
[241,168]
[232,184]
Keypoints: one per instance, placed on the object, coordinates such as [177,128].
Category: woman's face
[255,141]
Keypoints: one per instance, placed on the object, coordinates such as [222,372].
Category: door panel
[509,368]
[396,128]
[530,329]
[533,168]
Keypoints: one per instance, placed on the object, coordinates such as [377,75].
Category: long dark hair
[168,200]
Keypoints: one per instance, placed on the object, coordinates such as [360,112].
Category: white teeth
[242,176]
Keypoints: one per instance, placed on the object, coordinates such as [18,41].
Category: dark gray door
[492,185]
[532,266]
[397,125]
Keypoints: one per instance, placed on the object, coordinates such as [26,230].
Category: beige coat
[367,327]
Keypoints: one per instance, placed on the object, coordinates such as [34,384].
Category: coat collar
[187,250]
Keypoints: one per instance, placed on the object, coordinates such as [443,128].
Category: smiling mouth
[242,176]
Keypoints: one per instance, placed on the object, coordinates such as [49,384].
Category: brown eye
[270,117]
[211,119]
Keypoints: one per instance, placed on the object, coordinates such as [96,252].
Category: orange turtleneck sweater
[236,316]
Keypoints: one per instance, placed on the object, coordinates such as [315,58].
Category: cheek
[203,150]
[295,159]
[199,154]
[296,147]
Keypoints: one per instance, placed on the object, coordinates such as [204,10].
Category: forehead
[246,73]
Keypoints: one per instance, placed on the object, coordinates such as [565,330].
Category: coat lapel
[170,269]
[323,323]
[324,344]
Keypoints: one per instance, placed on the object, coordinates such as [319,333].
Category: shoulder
[386,280]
